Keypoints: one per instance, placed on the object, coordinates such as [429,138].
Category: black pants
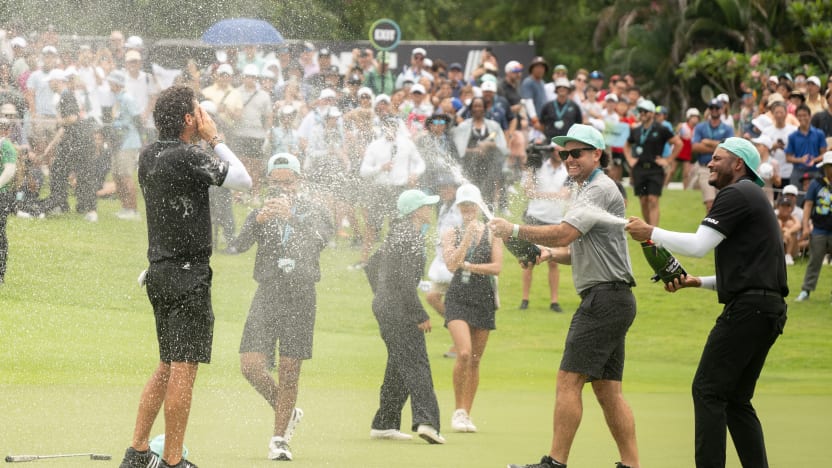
[72,155]
[727,375]
[407,373]
[6,203]
[222,214]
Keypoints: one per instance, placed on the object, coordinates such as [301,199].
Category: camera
[535,154]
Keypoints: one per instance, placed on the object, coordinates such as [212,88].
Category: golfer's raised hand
[205,126]
[686,281]
[638,229]
[500,227]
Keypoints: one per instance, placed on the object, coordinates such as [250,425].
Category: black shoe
[621,465]
[135,459]
[182,464]
[524,304]
[555,307]
[545,462]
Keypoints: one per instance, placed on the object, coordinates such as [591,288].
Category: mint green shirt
[8,155]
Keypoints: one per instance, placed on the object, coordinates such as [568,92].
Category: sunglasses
[439,121]
[575,153]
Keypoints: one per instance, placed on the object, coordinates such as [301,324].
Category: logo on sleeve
[710,221]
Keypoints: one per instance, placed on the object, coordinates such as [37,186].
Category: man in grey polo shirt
[602,273]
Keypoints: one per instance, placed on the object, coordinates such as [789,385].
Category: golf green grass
[77,345]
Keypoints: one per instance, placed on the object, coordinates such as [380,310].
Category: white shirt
[548,180]
[780,155]
[407,162]
[141,88]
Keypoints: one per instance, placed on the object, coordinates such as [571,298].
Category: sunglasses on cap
[575,153]
[517,70]
[439,121]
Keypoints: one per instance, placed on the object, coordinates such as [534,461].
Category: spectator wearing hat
[617,124]
[725,110]
[509,88]
[290,230]
[144,89]
[39,97]
[439,152]
[317,81]
[750,281]
[594,351]
[684,159]
[769,167]
[19,52]
[251,129]
[8,166]
[251,55]
[126,143]
[789,227]
[417,108]
[817,220]
[481,144]
[559,114]
[308,60]
[805,146]
[706,136]
[644,155]
[596,80]
[394,274]
[777,97]
[456,76]
[313,122]
[225,96]
[814,98]
[415,70]
[560,71]
[532,88]
[823,120]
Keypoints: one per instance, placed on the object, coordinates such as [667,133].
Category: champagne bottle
[664,264]
[525,251]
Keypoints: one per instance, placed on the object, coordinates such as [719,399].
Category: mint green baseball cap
[283,161]
[411,200]
[745,150]
[585,134]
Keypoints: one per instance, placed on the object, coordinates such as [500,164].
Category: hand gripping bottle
[525,251]
[664,264]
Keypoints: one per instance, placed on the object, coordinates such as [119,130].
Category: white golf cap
[723,97]
[18,42]
[132,55]
[327,94]
[49,50]
[134,42]
[251,70]
[334,112]
[287,110]
[225,69]
[814,80]
[489,86]
[417,88]
[562,83]
[691,112]
[762,122]
[514,66]
[611,97]
[827,159]
[790,190]
[419,50]
[764,140]
[381,98]
[469,193]
[365,91]
[267,74]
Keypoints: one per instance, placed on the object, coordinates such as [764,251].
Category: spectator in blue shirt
[706,136]
[805,145]
[532,85]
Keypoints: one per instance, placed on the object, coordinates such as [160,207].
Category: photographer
[544,187]
[290,230]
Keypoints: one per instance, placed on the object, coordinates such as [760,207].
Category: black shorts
[247,147]
[595,342]
[280,314]
[648,181]
[181,298]
[382,204]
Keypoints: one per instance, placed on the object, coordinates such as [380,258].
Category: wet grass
[77,344]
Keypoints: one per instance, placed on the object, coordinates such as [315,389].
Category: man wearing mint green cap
[290,230]
[602,273]
[394,272]
[751,282]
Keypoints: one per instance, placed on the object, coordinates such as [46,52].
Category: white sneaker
[91,217]
[459,421]
[389,434]
[470,424]
[431,435]
[279,449]
[297,415]
[789,259]
[803,296]
[24,215]
[128,215]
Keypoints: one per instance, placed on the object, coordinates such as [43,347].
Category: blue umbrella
[241,31]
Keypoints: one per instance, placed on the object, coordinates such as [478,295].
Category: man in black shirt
[643,152]
[751,281]
[174,176]
[558,115]
[823,120]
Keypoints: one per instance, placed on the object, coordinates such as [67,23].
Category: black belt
[610,286]
[760,292]
[647,165]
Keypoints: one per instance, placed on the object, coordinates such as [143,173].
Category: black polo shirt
[751,257]
[647,144]
[557,118]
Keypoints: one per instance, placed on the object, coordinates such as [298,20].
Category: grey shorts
[124,162]
[280,315]
[595,342]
